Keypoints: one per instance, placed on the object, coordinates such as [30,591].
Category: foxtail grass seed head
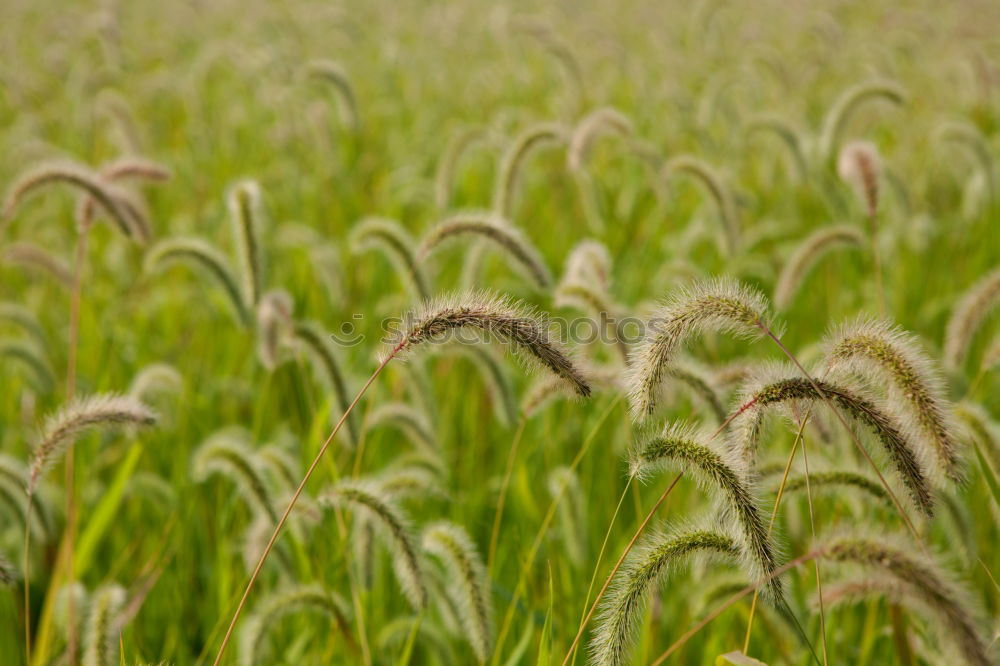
[101,637]
[722,305]
[397,244]
[900,560]
[444,179]
[565,488]
[228,454]
[199,253]
[407,419]
[156,378]
[705,174]
[860,166]
[334,74]
[589,262]
[310,336]
[245,215]
[836,119]
[37,258]
[109,197]
[647,564]
[514,158]
[808,253]
[967,318]
[887,355]
[468,584]
[61,430]
[290,599]
[904,451]
[392,525]
[521,328]
[835,481]
[600,121]
[722,475]
[33,358]
[274,324]
[514,244]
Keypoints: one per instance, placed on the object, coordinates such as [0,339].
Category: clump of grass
[228,454]
[860,166]
[968,316]
[397,244]
[808,253]
[902,450]
[512,163]
[497,317]
[924,577]
[245,215]
[597,122]
[494,229]
[719,305]
[648,564]
[101,637]
[844,107]
[200,253]
[394,528]
[722,475]
[705,174]
[889,356]
[285,601]
[333,73]
[62,429]
[468,586]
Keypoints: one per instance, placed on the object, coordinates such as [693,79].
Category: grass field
[718,282]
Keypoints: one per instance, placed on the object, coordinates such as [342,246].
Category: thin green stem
[295,498]
[501,500]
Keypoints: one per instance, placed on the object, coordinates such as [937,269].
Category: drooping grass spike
[494,229]
[889,356]
[397,244]
[245,212]
[468,584]
[719,305]
[648,564]
[808,253]
[394,528]
[200,253]
[723,476]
